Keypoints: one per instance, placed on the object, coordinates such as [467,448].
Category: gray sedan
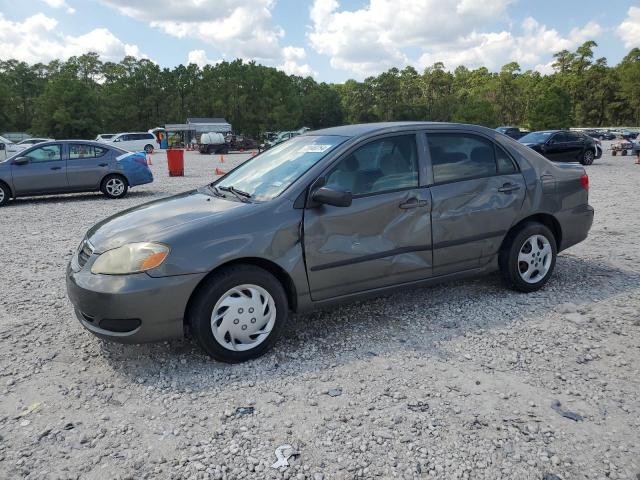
[332,215]
[67,166]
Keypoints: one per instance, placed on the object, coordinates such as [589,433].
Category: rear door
[45,171]
[477,195]
[384,237]
[87,165]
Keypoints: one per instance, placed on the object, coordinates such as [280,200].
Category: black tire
[5,194]
[108,191]
[213,289]
[614,152]
[510,266]
[211,149]
[624,153]
[588,157]
[148,148]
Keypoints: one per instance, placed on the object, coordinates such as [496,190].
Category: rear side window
[380,166]
[80,150]
[459,156]
[504,161]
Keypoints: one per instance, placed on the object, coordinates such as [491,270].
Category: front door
[86,166]
[45,171]
[384,237]
[477,195]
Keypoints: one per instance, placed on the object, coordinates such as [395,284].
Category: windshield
[536,137]
[282,136]
[270,173]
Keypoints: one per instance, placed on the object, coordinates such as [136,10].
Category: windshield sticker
[314,148]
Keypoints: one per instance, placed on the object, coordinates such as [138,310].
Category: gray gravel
[454,381]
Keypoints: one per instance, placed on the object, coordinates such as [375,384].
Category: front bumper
[131,308]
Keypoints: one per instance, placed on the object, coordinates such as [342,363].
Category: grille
[84,253]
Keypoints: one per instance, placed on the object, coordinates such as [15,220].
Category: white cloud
[629,29]
[237,28]
[199,57]
[387,33]
[293,56]
[37,39]
[535,44]
[60,4]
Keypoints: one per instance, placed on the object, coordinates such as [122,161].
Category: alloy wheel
[1,195]
[243,317]
[115,187]
[535,258]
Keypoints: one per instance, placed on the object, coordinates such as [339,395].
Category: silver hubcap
[534,259]
[115,187]
[588,156]
[243,317]
[1,195]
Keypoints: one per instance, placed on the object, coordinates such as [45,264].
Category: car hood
[159,220]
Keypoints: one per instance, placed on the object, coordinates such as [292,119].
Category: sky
[331,40]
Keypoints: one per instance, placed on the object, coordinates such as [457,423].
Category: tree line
[83,95]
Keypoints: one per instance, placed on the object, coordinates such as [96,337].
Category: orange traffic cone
[220,172]
[149,162]
[221,158]
[253,153]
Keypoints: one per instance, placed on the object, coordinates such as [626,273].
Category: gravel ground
[454,381]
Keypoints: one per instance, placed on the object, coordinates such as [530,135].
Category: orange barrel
[175,161]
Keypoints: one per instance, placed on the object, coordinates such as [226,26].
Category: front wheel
[148,149]
[587,157]
[238,313]
[5,194]
[114,186]
[528,259]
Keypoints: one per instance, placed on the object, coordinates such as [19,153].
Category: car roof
[384,127]
[129,133]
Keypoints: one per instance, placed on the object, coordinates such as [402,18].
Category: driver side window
[44,154]
[380,166]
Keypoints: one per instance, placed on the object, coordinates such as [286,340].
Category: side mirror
[21,161]
[331,196]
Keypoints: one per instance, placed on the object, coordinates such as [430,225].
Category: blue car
[67,166]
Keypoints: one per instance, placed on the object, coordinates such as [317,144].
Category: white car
[136,141]
[23,144]
[105,137]
[4,143]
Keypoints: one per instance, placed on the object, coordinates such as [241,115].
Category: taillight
[584,181]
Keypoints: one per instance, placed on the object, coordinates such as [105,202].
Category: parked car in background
[136,141]
[105,137]
[281,137]
[562,145]
[513,132]
[72,166]
[629,134]
[15,137]
[4,143]
[329,216]
[23,144]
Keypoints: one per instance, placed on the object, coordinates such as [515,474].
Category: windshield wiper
[217,192]
[242,196]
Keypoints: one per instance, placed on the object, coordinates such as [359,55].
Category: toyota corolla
[329,216]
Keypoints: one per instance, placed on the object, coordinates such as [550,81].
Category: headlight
[130,258]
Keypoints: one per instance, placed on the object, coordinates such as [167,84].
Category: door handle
[413,203]
[103,164]
[509,187]
[56,168]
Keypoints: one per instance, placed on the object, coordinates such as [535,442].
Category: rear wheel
[587,157]
[148,148]
[528,259]
[114,186]
[5,194]
[238,313]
